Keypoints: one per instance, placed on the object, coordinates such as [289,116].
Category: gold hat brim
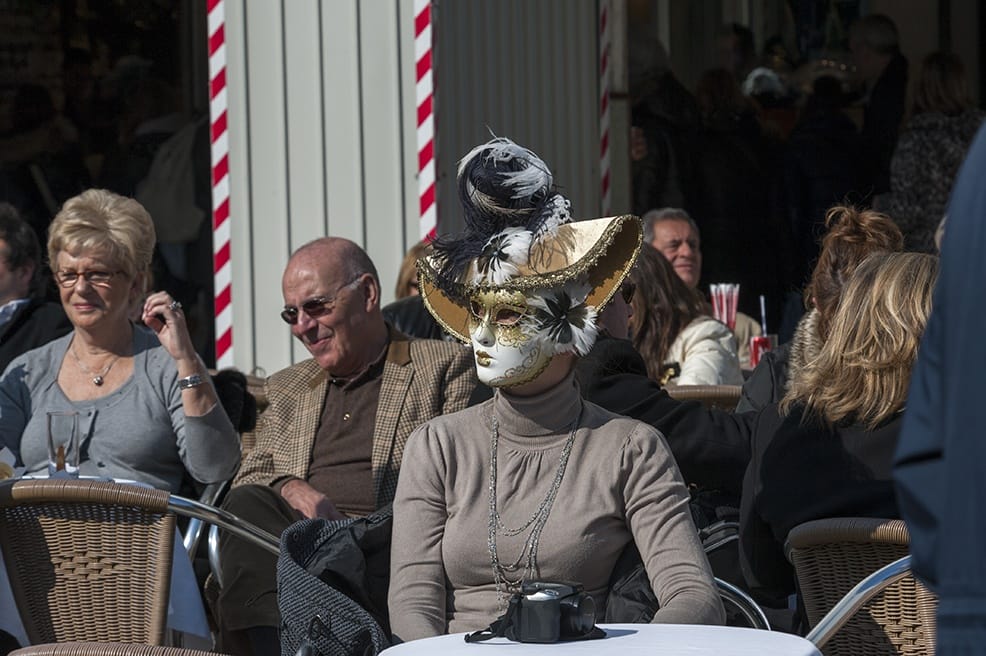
[599,250]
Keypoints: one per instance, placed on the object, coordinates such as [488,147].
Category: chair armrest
[225,520]
[856,598]
[211,495]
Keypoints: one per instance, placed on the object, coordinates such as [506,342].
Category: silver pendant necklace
[98,377]
[502,573]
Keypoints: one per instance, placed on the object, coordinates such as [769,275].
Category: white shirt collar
[8,309]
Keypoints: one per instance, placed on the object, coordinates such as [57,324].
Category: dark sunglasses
[316,307]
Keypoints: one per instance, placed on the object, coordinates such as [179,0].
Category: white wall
[321,143]
[524,69]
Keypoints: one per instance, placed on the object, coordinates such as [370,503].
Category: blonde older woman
[147,409]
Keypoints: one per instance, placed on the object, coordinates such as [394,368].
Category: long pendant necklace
[536,522]
[98,377]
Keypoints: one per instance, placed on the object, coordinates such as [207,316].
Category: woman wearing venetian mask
[535,484]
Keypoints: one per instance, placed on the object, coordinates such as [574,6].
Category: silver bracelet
[188,382]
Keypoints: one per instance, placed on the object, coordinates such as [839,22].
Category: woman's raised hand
[164,316]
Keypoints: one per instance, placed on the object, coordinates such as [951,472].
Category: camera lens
[578,615]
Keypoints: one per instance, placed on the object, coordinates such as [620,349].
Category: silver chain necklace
[535,522]
[98,377]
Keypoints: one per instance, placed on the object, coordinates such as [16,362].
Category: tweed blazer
[421,379]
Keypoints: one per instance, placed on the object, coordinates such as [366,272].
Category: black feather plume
[501,185]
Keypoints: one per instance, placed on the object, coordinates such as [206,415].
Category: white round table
[629,639]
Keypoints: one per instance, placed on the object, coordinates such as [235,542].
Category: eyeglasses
[627,291]
[97,278]
[318,306]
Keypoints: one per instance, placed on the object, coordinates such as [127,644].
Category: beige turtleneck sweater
[621,484]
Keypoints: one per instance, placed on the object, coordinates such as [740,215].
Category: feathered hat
[519,236]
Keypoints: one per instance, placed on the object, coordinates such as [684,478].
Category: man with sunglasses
[330,443]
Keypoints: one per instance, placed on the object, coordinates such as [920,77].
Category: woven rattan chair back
[87,560]
[830,556]
[724,397]
[105,649]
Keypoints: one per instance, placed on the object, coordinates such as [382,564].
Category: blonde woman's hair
[408,273]
[101,221]
[863,370]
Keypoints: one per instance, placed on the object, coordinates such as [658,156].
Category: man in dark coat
[875,50]
[27,321]
[939,465]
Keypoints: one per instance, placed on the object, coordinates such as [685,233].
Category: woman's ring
[175,306]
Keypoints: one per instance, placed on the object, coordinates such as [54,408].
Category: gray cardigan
[138,432]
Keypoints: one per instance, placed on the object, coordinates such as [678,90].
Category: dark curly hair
[853,235]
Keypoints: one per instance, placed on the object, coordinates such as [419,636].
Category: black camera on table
[549,611]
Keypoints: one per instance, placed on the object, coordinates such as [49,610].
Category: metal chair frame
[744,603]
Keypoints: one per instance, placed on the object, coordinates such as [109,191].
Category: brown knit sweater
[621,483]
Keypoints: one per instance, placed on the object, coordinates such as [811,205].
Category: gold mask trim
[600,250]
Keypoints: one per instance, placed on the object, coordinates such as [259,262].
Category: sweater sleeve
[659,519]
[209,446]
[709,356]
[417,574]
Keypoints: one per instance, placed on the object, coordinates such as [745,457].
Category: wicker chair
[723,397]
[91,560]
[831,556]
[105,649]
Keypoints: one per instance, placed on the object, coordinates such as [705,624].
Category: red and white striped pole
[218,103]
[424,97]
[604,88]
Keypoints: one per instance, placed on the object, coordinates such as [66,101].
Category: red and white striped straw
[222,269]
[424,96]
[604,88]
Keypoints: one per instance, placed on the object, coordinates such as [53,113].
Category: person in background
[331,441]
[938,466]
[679,341]
[736,51]
[882,71]
[407,277]
[827,451]
[744,240]
[664,142]
[27,320]
[525,288]
[114,373]
[853,235]
[821,167]
[407,314]
[931,148]
[674,233]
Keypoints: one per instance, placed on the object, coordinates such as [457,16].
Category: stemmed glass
[63,443]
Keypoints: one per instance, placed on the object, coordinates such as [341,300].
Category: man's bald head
[332,301]
[347,255]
